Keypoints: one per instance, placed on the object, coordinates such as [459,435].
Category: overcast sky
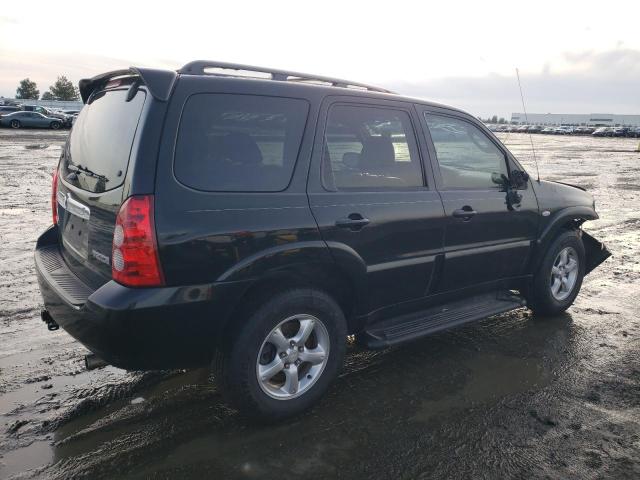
[574,57]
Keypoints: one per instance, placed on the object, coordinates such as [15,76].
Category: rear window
[101,140]
[239,143]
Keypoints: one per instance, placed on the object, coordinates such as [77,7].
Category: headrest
[377,152]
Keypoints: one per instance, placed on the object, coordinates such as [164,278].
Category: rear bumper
[135,328]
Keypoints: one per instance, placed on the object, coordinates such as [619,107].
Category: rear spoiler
[158,82]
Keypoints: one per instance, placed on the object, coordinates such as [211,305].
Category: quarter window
[239,142]
[468,159]
[367,147]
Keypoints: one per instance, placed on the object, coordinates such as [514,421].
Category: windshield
[99,146]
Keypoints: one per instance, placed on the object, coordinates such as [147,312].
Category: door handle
[465,213]
[354,222]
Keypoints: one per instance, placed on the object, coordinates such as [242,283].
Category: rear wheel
[285,356]
[559,277]
[55,125]
[15,124]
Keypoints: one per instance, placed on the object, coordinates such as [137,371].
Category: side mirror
[500,179]
[519,178]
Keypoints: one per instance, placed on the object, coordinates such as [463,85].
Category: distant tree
[63,89]
[48,96]
[27,90]
[501,120]
[494,119]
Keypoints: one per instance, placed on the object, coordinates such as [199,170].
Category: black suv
[204,218]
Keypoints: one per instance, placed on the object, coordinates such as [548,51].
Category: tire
[549,294]
[251,355]
[15,124]
[55,125]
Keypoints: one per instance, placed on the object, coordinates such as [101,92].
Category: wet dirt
[513,396]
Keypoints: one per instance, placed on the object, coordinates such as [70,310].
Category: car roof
[160,83]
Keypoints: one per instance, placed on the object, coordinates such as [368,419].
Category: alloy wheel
[292,357]
[564,273]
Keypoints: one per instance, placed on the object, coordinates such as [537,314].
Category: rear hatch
[92,173]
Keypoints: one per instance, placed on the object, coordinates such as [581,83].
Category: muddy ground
[513,396]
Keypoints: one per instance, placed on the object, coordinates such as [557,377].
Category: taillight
[54,197]
[134,257]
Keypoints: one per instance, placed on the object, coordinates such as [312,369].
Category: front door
[373,200]
[491,224]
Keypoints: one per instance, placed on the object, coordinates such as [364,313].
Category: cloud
[588,82]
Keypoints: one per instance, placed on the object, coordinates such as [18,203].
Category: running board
[416,325]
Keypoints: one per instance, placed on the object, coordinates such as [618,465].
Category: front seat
[378,162]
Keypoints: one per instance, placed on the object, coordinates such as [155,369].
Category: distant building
[576,119]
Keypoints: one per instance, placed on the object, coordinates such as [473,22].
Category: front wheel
[15,124]
[55,125]
[285,356]
[559,277]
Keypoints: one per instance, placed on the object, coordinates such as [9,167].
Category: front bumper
[595,252]
[135,328]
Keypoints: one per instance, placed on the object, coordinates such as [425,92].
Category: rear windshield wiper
[85,171]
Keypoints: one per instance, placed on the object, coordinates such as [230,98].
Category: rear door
[92,174]
[489,233]
[373,200]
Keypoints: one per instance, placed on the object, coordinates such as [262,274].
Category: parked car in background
[534,129]
[564,130]
[603,132]
[8,109]
[63,117]
[584,130]
[549,130]
[522,129]
[29,119]
[622,132]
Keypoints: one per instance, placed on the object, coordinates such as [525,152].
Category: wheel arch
[335,269]
[570,218]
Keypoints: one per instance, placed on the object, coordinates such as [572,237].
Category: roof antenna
[527,120]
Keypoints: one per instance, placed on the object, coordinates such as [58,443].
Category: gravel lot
[513,396]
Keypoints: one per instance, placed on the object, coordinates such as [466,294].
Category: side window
[468,159]
[239,143]
[368,147]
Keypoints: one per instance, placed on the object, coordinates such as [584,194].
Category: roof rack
[199,67]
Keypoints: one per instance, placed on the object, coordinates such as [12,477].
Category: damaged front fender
[595,252]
